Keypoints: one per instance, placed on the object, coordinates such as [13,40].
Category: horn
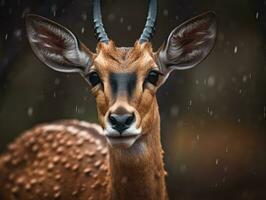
[150,22]
[98,24]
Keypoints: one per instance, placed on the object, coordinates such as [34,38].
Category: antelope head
[123,80]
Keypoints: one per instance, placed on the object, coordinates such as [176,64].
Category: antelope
[122,158]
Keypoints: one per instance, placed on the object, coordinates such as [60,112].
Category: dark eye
[94,78]
[153,77]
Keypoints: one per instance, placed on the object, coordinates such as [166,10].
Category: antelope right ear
[188,44]
[56,46]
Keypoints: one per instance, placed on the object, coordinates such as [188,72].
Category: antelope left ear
[188,44]
[56,46]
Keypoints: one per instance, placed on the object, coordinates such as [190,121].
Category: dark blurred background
[213,116]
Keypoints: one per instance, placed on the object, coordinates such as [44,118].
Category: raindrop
[225,168]
[121,20]
[6,36]
[205,82]
[124,180]
[82,30]
[235,49]
[18,33]
[217,161]
[111,17]
[165,12]
[198,137]
[226,149]
[211,113]
[84,16]
[183,168]
[174,110]
[54,9]
[25,11]
[30,111]
[211,81]
[257,15]
[129,27]
[244,78]
[233,79]
[81,110]
[57,81]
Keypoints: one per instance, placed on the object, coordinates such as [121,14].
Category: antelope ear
[56,46]
[188,44]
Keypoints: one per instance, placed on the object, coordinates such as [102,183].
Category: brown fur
[135,173]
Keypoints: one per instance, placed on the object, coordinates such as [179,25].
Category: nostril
[130,119]
[112,119]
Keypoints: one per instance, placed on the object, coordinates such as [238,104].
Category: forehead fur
[110,55]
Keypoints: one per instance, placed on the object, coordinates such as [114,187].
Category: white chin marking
[122,143]
[124,140]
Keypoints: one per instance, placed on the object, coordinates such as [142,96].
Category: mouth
[124,139]
[120,141]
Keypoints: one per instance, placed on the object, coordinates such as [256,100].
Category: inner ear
[188,44]
[56,46]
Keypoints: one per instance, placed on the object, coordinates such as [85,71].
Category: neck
[138,172]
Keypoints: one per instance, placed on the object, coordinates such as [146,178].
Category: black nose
[121,122]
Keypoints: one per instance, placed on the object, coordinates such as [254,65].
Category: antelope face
[124,81]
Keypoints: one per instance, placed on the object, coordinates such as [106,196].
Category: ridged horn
[150,22]
[100,33]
